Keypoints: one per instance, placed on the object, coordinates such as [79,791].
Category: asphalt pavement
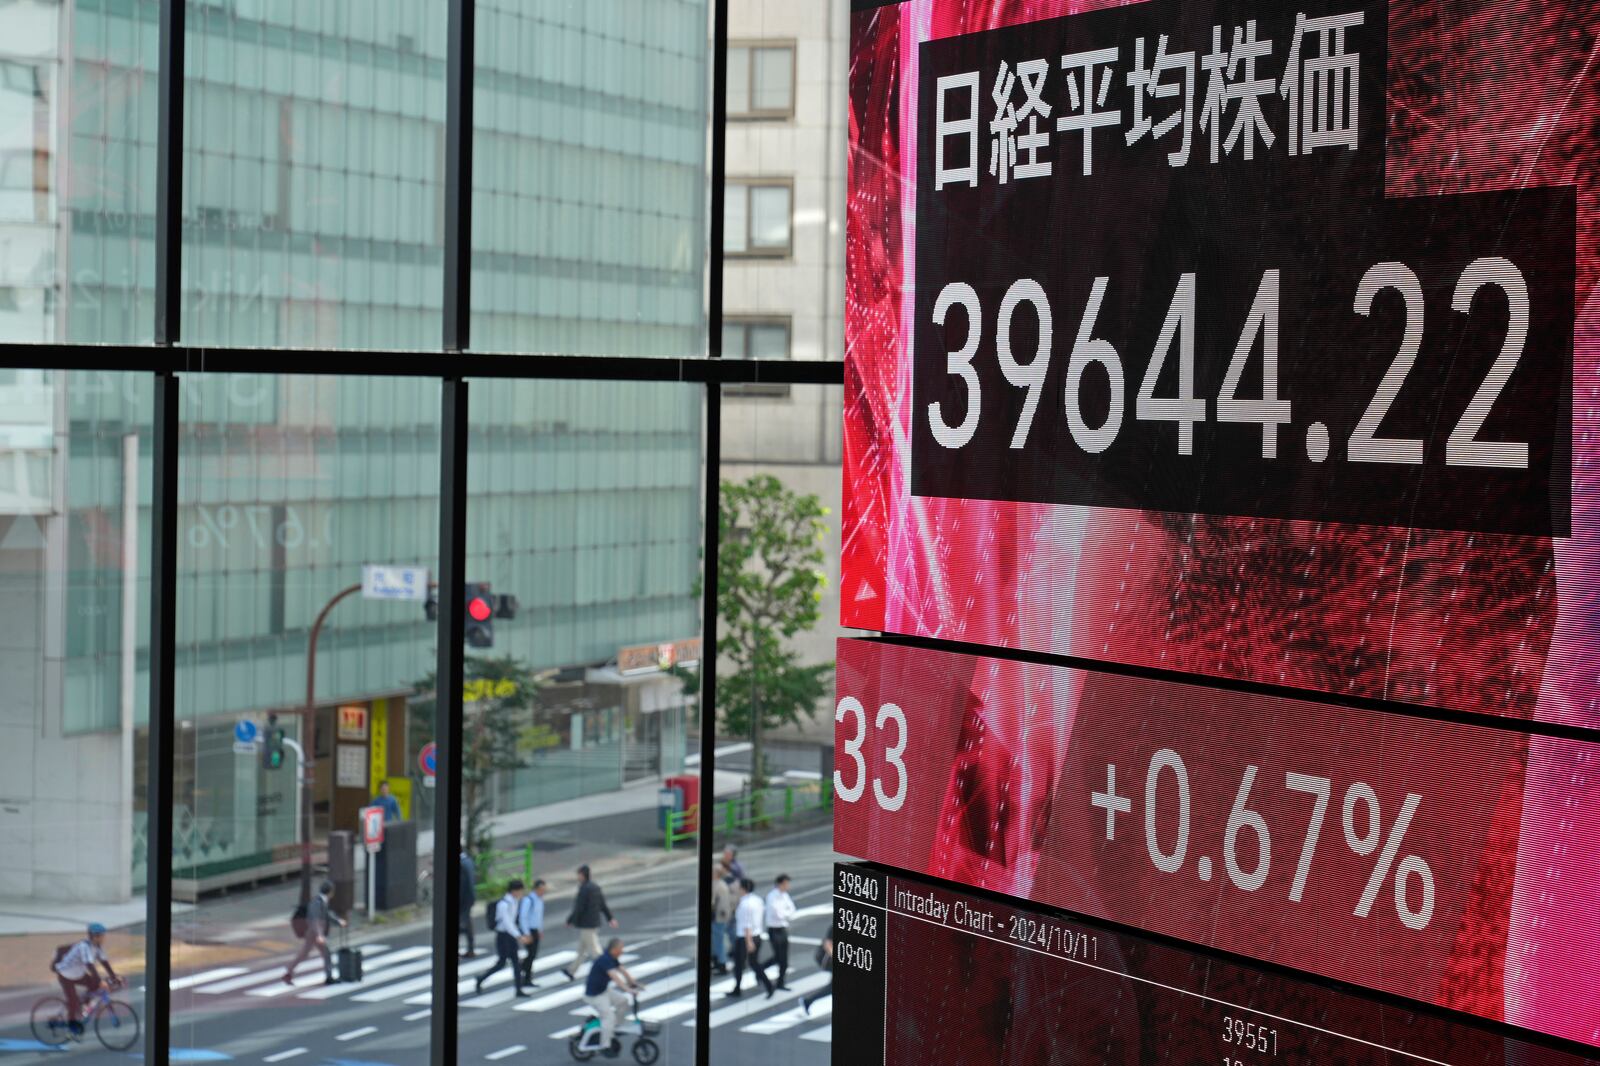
[243,1012]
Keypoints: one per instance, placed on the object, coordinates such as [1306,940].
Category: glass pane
[77,172]
[735,218]
[806,286]
[589,172]
[586,509]
[769,216]
[780,489]
[738,80]
[733,345]
[774,78]
[289,487]
[769,341]
[74,596]
[313,192]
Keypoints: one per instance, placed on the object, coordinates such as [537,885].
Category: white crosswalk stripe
[757,1002]
[790,1018]
[467,968]
[682,1005]
[404,975]
[575,993]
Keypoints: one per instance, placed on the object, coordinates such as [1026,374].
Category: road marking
[282,1055]
[180,983]
[682,1005]
[506,1052]
[309,979]
[368,980]
[821,1036]
[568,995]
[503,977]
[816,910]
[790,1018]
[418,1015]
[357,1034]
[759,1001]
[566,1034]
[423,985]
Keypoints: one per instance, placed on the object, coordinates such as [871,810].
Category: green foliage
[501,695]
[769,588]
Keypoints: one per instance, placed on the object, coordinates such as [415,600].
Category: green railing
[497,867]
[765,808]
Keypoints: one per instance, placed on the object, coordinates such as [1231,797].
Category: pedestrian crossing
[403,977]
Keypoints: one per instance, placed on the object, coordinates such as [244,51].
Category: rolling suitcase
[348,959]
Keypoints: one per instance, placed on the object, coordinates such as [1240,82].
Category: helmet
[96,929]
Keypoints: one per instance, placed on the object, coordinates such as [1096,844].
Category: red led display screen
[1448,863]
[1235,339]
[920,965]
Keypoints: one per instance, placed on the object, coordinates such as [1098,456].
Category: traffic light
[478,625]
[272,744]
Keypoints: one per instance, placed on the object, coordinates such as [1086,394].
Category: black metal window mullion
[448,717]
[713,525]
[162,725]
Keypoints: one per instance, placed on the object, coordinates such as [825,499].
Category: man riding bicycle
[606,991]
[75,968]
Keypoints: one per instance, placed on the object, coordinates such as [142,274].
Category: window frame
[750,46]
[772,252]
[745,322]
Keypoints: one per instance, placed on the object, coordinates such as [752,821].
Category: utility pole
[309,754]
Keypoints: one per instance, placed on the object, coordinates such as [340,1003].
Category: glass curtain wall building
[313,217]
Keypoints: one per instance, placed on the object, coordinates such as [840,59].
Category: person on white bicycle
[75,967]
[607,991]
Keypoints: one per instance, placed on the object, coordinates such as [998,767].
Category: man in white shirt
[749,918]
[531,918]
[75,967]
[508,936]
[780,915]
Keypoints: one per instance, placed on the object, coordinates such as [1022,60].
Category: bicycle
[116,1024]
[585,1044]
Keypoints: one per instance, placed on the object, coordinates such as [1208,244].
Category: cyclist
[75,968]
[606,991]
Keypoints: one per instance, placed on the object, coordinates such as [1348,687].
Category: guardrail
[497,867]
[766,807]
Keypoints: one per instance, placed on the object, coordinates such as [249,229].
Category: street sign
[372,828]
[428,760]
[404,584]
[245,737]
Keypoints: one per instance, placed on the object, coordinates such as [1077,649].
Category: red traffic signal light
[479,609]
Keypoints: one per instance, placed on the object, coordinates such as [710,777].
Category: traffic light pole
[308,754]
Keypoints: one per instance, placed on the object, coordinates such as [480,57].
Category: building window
[761,80]
[758,218]
[756,338]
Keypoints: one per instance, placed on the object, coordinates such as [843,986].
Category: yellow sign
[353,722]
[484,688]
[378,751]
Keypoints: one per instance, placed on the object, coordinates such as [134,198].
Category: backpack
[299,920]
[488,913]
[61,953]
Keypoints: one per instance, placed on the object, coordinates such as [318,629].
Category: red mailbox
[690,786]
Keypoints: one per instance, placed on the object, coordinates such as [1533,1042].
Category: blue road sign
[245,732]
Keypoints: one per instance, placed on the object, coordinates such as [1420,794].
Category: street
[245,1012]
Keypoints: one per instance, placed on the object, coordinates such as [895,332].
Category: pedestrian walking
[508,937]
[722,902]
[587,911]
[469,896]
[748,920]
[730,859]
[319,916]
[531,918]
[825,962]
[780,914]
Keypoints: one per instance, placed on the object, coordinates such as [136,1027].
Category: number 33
[852,748]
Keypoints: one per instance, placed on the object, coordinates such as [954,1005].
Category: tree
[769,589]
[500,694]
